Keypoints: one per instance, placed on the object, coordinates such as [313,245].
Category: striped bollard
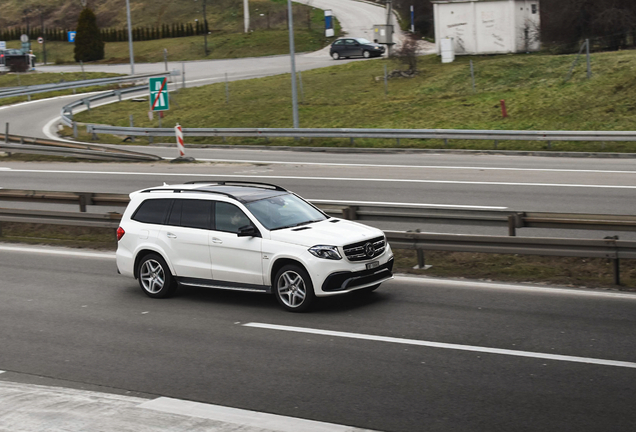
[179,132]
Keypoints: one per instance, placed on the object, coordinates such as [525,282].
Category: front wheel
[335,56]
[293,288]
[155,278]
[366,54]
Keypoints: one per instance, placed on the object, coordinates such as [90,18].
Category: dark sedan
[350,47]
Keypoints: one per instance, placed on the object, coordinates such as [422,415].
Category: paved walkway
[37,408]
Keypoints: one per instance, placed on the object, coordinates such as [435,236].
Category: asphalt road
[74,320]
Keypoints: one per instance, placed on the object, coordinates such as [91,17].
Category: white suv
[249,237]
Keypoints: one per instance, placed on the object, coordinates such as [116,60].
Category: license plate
[373,265]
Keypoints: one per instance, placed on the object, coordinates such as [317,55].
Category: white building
[488,26]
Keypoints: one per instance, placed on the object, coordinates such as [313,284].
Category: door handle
[170,235]
[216,240]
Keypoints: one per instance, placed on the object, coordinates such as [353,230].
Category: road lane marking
[406,204]
[586,292]
[255,419]
[342,179]
[441,167]
[442,345]
[62,252]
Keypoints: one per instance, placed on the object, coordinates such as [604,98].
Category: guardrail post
[496,143]
[6,133]
[445,142]
[617,271]
[549,145]
[74,129]
[87,103]
[350,213]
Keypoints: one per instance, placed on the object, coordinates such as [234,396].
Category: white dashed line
[416,342]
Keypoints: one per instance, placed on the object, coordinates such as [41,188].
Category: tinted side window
[229,218]
[196,213]
[152,211]
[175,213]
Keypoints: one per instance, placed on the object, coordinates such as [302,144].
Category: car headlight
[326,252]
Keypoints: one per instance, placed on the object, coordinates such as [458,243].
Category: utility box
[447,50]
[383,34]
[488,26]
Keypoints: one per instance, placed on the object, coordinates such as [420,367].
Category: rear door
[185,238]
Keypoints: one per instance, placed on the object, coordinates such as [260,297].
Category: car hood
[326,232]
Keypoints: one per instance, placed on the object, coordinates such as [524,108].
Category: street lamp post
[130,39]
[292,50]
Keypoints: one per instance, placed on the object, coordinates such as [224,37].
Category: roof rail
[239,183]
[179,190]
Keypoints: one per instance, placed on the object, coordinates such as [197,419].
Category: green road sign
[159,94]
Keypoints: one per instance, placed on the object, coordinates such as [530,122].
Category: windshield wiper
[298,224]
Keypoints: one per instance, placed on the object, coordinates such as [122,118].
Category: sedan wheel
[155,278]
[366,54]
[293,288]
[335,56]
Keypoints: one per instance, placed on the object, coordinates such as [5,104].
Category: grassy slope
[351,96]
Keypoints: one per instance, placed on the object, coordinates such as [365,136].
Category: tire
[335,56]
[366,54]
[293,288]
[155,278]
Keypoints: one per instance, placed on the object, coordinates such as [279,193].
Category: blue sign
[71,36]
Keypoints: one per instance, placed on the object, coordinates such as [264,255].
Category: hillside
[221,14]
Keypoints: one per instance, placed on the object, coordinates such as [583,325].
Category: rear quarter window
[152,211]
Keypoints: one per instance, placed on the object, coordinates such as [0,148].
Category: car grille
[365,250]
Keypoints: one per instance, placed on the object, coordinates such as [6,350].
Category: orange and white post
[179,132]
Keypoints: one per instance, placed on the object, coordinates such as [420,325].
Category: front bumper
[347,281]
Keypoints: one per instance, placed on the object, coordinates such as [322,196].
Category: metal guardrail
[376,212]
[396,134]
[21,144]
[45,88]
[609,248]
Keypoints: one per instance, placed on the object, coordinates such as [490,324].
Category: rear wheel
[293,288]
[366,54]
[155,278]
[335,56]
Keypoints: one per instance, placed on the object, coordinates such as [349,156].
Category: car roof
[240,191]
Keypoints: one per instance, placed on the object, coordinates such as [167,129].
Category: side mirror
[248,231]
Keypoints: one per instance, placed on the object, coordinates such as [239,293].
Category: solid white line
[62,252]
[343,179]
[406,204]
[445,345]
[467,284]
[442,167]
[1,371]
[245,418]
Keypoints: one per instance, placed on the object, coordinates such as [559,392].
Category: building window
[534,8]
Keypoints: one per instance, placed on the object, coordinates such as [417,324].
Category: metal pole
[130,39]
[132,138]
[292,50]
[205,29]
[589,65]
[227,90]
[386,82]
[182,75]
[83,73]
[43,37]
[412,20]
[246,15]
[617,272]
[472,75]
[165,58]
[6,133]
[302,91]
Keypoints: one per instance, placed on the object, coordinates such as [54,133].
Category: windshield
[284,211]
[363,41]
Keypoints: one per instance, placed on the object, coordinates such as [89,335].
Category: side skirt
[233,286]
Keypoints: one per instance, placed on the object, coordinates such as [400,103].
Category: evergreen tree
[88,42]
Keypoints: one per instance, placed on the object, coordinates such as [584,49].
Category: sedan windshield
[363,41]
[284,211]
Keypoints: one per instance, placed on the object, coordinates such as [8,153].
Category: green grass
[352,96]
[222,44]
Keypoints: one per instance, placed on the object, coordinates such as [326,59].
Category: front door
[235,259]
